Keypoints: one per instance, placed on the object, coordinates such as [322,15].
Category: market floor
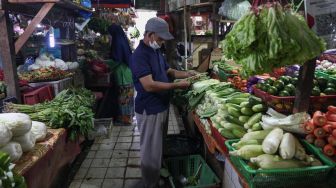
[114,162]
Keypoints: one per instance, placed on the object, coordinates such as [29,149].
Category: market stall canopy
[112,3]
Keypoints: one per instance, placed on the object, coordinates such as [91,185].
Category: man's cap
[160,27]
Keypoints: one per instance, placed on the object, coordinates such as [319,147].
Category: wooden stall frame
[7,48]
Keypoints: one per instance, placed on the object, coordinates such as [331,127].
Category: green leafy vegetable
[273,37]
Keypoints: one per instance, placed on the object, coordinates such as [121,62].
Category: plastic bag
[234,9]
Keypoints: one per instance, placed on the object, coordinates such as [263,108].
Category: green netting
[295,177]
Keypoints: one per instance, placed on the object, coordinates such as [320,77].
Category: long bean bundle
[71,109]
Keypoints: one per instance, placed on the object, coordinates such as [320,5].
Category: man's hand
[182,84]
[191,73]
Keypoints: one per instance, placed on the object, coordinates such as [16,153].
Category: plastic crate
[58,86]
[220,140]
[106,124]
[44,93]
[286,104]
[187,166]
[94,79]
[181,145]
[293,177]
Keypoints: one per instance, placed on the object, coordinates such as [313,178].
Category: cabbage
[5,135]
[59,63]
[13,149]
[27,141]
[18,123]
[39,130]
[273,38]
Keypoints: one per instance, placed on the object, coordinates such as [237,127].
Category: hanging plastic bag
[234,9]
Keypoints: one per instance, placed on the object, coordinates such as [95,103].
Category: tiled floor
[114,162]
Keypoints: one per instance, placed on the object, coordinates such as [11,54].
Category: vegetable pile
[273,149]
[239,83]
[322,130]
[326,66]
[238,114]
[273,37]
[44,74]
[286,85]
[71,109]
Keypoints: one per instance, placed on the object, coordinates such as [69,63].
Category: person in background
[151,80]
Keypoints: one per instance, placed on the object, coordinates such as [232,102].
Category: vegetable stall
[271,113]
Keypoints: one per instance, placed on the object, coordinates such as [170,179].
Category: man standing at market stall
[151,80]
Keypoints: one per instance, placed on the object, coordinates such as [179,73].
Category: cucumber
[227,134]
[247,111]
[242,95]
[253,119]
[236,106]
[225,92]
[254,100]
[244,104]
[259,108]
[238,133]
[237,100]
[234,112]
[232,126]
[234,120]
[244,119]
[256,127]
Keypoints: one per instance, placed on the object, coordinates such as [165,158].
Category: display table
[42,165]
[235,177]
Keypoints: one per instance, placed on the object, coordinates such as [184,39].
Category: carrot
[334,133]
[310,138]
[319,118]
[319,142]
[332,140]
[309,126]
[331,116]
[332,123]
[332,109]
[328,128]
[320,132]
[329,150]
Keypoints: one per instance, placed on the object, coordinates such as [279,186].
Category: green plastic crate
[187,166]
[296,177]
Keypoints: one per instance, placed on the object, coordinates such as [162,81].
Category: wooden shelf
[66,4]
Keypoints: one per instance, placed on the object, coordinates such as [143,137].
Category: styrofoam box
[58,86]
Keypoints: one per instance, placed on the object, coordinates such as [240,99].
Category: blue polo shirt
[145,61]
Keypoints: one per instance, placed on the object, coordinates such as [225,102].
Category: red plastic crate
[286,104]
[218,137]
[44,93]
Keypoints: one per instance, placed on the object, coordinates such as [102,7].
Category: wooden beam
[31,27]
[7,56]
[304,87]
[33,1]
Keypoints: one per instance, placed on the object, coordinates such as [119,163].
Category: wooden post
[304,87]
[7,53]
[215,24]
[31,27]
